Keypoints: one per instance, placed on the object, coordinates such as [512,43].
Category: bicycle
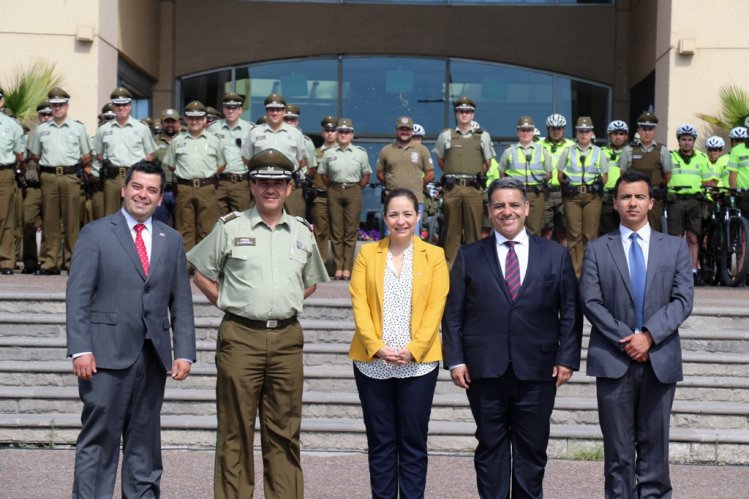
[723,250]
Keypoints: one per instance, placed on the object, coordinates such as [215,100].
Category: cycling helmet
[617,126]
[715,142]
[686,129]
[738,132]
[419,130]
[556,120]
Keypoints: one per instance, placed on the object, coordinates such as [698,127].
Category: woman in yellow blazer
[398,290]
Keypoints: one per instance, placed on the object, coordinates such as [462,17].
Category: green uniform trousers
[462,207]
[295,204]
[32,222]
[344,206]
[321,224]
[583,212]
[535,220]
[8,218]
[258,369]
[113,194]
[233,196]
[685,213]
[196,212]
[656,215]
[61,208]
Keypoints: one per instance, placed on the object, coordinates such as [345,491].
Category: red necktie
[140,247]
[512,271]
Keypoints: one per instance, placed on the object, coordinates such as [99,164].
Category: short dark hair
[400,192]
[149,168]
[631,176]
[507,183]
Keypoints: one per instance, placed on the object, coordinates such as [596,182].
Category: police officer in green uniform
[405,163]
[12,149]
[345,170]
[618,133]
[258,266]
[530,163]
[233,193]
[738,166]
[320,219]
[718,162]
[61,148]
[686,200]
[296,204]
[583,170]
[211,116]
[463,154]
[652,159]
[196,158]
[554,222]
[170,128]
[118,144]
[93,184]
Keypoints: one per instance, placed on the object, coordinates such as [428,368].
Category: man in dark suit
[128,285]
[512,331]
[636,290]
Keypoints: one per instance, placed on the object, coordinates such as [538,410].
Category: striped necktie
[512,271]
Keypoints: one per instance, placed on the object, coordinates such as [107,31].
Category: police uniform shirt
[405,166]
[195,157]
[287,139]
[12,140]
[95,164]
[628,156]
[348,165]
[506,160]
[603,162]
[231,149]
[262,272]
[60,145]
[444,142]
[311,154]
[738,162]
[124,145]
[161,147]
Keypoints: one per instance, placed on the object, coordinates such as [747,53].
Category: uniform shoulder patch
[229,217]
[304,222]
[360,148]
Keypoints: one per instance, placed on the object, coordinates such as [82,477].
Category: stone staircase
[39,401]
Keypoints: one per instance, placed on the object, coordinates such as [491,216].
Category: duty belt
[115,171]
[8,166]
[269,324]
[345,185]
[555,188]
[463,180]
[234,177]
[60,170]
[197,182]
[584,189]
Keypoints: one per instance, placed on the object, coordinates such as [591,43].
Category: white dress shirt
[644,239]
[521,250]
[146,234]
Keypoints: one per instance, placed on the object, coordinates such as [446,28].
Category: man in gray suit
[636,289]
[128,285]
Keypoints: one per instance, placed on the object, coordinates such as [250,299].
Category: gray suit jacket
[111,304]
[608,304]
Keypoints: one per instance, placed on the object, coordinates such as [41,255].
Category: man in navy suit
[128,286]
[512,331]
[636,297]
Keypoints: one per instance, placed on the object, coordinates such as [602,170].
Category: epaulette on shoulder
[304,222]
[229,217]
[360,147]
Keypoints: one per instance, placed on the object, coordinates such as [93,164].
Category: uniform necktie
[512,271]
[140,247]
[637,273]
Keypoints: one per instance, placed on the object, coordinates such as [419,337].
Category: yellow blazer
[431,282]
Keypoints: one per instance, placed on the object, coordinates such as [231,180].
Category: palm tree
[734,108]
[26,89]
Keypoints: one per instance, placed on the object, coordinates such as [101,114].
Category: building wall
[138,42]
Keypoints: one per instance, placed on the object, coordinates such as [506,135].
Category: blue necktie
[637,273]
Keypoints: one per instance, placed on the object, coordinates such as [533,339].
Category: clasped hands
[637,345]
[399,357]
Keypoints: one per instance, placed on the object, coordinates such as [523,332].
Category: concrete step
[698,445]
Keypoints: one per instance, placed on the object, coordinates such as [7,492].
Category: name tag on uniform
[45,132]
[332,158]
[637,156]
[260,137]
[244,241]
[414,157]
[183,144]
[104,134]
[219,135]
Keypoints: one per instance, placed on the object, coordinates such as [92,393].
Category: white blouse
[396,322]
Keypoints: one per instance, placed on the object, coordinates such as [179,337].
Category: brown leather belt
[115,171]
[270,324]
[60,170]
[234,177]
[197,182]
[8,167]
[344,185]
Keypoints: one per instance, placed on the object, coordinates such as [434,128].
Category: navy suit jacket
[111,304]
[483,329]
[608,304]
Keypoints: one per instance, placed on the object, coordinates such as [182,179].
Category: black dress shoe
[29,270]
[52,271]
[6,271]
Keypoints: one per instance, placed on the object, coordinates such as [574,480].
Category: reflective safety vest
[529,170]
[738,161]
[464,157]
[492,173]
[555,150]
[583,170]
[686,173]
[614,170]
[719,170]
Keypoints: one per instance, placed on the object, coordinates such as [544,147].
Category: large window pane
[312,84]
[578,98]
[207,88]
[378,90]
[501,93]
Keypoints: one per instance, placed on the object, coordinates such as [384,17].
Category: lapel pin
[161,234]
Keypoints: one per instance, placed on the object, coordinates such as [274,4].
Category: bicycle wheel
[709,255]
[733,253]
